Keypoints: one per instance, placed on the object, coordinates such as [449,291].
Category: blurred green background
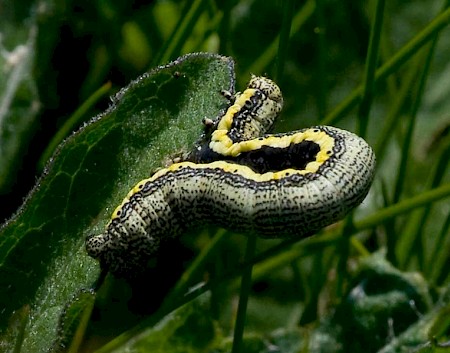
[61,60]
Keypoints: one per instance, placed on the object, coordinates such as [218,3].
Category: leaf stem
[371,65]
[181,32]
[286,24]
[322,60]
[244,294]
[263,60]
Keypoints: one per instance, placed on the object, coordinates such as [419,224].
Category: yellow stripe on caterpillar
[280,141]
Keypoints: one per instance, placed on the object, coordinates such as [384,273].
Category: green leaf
[42,258]
[381,302]
[190,328]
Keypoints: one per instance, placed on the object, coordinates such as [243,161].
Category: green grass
[378,280]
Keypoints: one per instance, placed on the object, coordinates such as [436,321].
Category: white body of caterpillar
[284,185]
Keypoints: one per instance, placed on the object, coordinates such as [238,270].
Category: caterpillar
[274,186]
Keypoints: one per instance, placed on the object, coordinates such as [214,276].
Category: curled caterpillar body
[325,173]
[251,114]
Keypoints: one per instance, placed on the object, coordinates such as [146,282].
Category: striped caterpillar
[281,185]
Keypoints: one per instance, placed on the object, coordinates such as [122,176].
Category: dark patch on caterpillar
[270,159]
